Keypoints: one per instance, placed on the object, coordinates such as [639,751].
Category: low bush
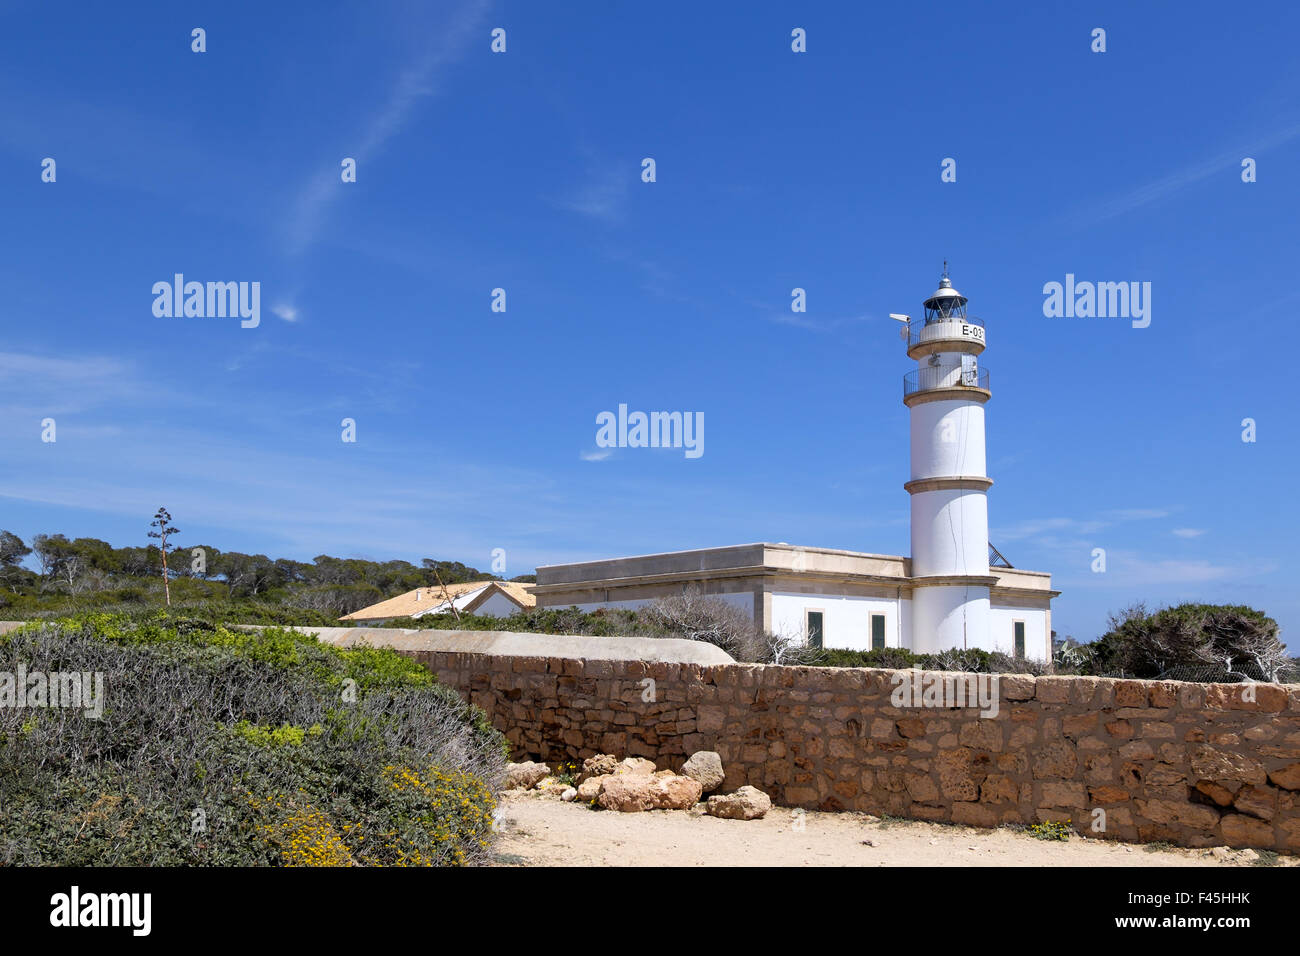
[1051,830]
[135,604]
[972,660]
[888,657]
[223,747]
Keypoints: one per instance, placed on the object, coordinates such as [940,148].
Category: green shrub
[283,736]
[888,657]
[221,747]
[972,660]
[1051,830]
[194,600]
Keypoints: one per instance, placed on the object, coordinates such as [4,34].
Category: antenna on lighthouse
[902,329]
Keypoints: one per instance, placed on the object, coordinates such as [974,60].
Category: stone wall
[1192,764]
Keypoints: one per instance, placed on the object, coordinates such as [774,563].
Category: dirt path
[541,831]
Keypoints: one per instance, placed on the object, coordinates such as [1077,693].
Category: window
[1020,639]
[877,631]
[813,626]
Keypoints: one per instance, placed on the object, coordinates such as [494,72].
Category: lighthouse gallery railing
[931,377]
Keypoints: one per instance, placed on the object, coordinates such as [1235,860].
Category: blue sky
[775,170]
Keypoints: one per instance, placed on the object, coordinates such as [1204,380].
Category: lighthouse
[955,591]
[945,395]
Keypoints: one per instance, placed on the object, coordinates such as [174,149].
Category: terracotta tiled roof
[521,594]
[422,599]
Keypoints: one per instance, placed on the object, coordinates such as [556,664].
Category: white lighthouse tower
[949,486]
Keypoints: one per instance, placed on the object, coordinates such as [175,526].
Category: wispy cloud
[1051,528]
[1127,569]
[602,195]
[416,83]
[1135,514]
[1037,527]
[1181,179]
[1189,532]
[802,320]
[91,371]
[33,386]
[599,455]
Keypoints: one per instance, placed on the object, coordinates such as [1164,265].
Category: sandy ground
[542,831]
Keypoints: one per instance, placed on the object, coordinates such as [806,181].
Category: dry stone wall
[1191,764]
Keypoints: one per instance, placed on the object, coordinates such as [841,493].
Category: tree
[96,554]
[790,649]
[710,619]
[12,552]
[446,595]
[12,549]
[162,521]
[201,570]
[1224,641]
[57,558]
[452,572]
[248,574]
[290,571]
[235,567]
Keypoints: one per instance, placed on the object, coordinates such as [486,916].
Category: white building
[946,595]
[487,598]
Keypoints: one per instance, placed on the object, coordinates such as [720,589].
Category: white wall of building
[498,605]
[846,621]
[1038,640]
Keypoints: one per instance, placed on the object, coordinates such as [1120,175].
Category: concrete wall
[499,646]
[1192,764]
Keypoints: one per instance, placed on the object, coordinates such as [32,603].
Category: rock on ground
[589,789]
[551,787]
[706,767]
[636,766]
[597,766]
[747,803]
[631,793]
[525,776]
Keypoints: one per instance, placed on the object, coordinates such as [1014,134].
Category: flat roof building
[844,599]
